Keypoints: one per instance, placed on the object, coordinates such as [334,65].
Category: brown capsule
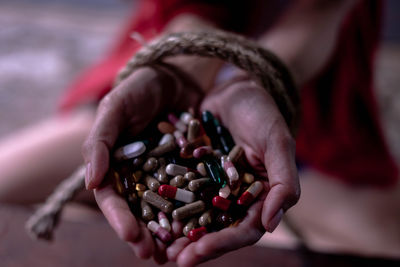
[133,198]
[187,150]
[158,201]
[188,210]
[163,149]
[235,154]
[224,219]
[151,183]
[191,224]
[196,184]
[189,176]
[150,165]
[193,130]
[137,175]
[206,218]
[177,181]
[161,175]
[165,127]
[137,162]
[147,212]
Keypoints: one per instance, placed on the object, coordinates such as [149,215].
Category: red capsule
[173,192]
[250,194]
[197,233]
[221,203]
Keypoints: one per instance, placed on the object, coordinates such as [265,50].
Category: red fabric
[340,132]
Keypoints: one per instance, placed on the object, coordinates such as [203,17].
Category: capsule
[248,178]
[147,212]
[231,172]
[224,191]
[176,193]
[196,184]
[200,152]
[191,224]
[214,170]
[166,138]
[129,151]
[201,169]
[161,175]
[250,194]
[236,153]
[165,127]
[177,123]
[186,117]
[206,218]
[152,183]
[187,151]
[163,221]
[117,182]
[137,162]
[180,139]
[188,210]
[175,169]
[163,149]
[223,220]
[160,232]
[150,164]
[197,233]
[225,138]
[177,181]
[189,176]
[158,201]
[193,130]
[209,127]
[137,175]
[221,203]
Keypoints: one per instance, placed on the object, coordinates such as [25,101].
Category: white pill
[129,151]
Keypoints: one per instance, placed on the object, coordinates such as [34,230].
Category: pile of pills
[185,169]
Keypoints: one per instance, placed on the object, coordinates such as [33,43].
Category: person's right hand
[128,108]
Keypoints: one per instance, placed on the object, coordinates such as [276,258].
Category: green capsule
[208,121]
[225,139]
[214,170]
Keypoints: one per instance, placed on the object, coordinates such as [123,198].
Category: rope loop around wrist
[232,48]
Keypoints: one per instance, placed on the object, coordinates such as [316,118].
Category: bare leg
[34,160]
[334,217]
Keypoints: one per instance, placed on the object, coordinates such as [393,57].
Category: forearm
[201,69]
[305,37]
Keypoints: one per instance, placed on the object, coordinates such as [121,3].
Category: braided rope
[229,47]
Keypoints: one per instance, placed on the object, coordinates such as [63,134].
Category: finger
[117,213]
[177,229]
[215,244]
[134,102]
[160,254]
[176,247]
[144,246]
[284,184]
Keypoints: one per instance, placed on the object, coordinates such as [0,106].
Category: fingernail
[273,223]
[88,175]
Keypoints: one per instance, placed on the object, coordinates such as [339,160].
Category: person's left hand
[256,124]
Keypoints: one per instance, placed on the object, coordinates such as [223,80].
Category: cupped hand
[256,124]
[128,108]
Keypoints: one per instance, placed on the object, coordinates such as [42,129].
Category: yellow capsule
[201,169]
[205,218]
[189,176]
[193,130]
[137,175]
[236,153]
[248,178]
[140,187]
[162,176]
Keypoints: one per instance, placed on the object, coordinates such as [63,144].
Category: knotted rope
[232,48]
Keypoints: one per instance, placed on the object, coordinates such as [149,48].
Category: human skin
[269,146]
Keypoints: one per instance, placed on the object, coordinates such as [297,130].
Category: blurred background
[46,44]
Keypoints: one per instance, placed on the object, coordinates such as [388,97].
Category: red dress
[340,133]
